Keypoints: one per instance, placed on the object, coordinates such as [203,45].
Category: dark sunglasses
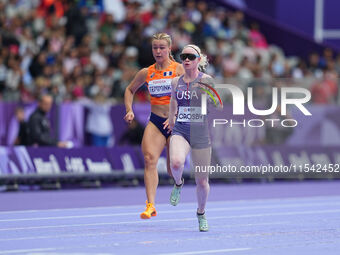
[189,56]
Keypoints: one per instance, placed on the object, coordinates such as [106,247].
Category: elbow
[129,91]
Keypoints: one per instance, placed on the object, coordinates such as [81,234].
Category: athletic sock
[178,186]
[200,214]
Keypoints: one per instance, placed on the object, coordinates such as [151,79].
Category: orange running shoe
[149,212]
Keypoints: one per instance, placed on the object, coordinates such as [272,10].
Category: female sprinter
[190,128]
[158,79]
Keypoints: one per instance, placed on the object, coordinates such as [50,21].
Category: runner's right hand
[129,116]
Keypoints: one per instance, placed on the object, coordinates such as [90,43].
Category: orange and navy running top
[159,83]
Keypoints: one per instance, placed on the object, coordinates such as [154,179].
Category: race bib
[160,88]
[189,114]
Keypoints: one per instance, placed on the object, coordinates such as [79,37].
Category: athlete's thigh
[153,141]
[201,159]
[179,148]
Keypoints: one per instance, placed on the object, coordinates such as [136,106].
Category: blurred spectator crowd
[80,49]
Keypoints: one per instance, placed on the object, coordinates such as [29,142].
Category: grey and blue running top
[190,123]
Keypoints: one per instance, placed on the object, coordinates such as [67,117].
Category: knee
[176,164]
[149,159]
[202,182]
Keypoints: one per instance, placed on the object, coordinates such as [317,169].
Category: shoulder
[35,116]
[174,81]
[206,76]
[143,71]
[150,67]
[138,80]
[142,74]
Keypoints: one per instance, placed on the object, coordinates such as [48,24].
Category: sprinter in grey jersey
[189,129]
[190,123]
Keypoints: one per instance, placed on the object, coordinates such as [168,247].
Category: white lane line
[172,211]
[112,223]
[250,201]
[207,251]
[110,233]
[97,234]
[219,217]
[54,236]
[27,250]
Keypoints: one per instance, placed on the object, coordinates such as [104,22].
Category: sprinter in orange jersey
[158,79]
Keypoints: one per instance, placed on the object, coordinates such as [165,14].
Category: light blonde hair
[167,38]
[202,65]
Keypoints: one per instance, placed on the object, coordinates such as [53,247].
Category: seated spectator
[39,127]
[325,91]
[257,38]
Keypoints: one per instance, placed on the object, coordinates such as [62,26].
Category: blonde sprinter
[158,79]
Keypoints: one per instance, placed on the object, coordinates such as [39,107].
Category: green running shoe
[176,193]
[203,223]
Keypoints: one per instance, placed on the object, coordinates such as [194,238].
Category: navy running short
[158,122]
